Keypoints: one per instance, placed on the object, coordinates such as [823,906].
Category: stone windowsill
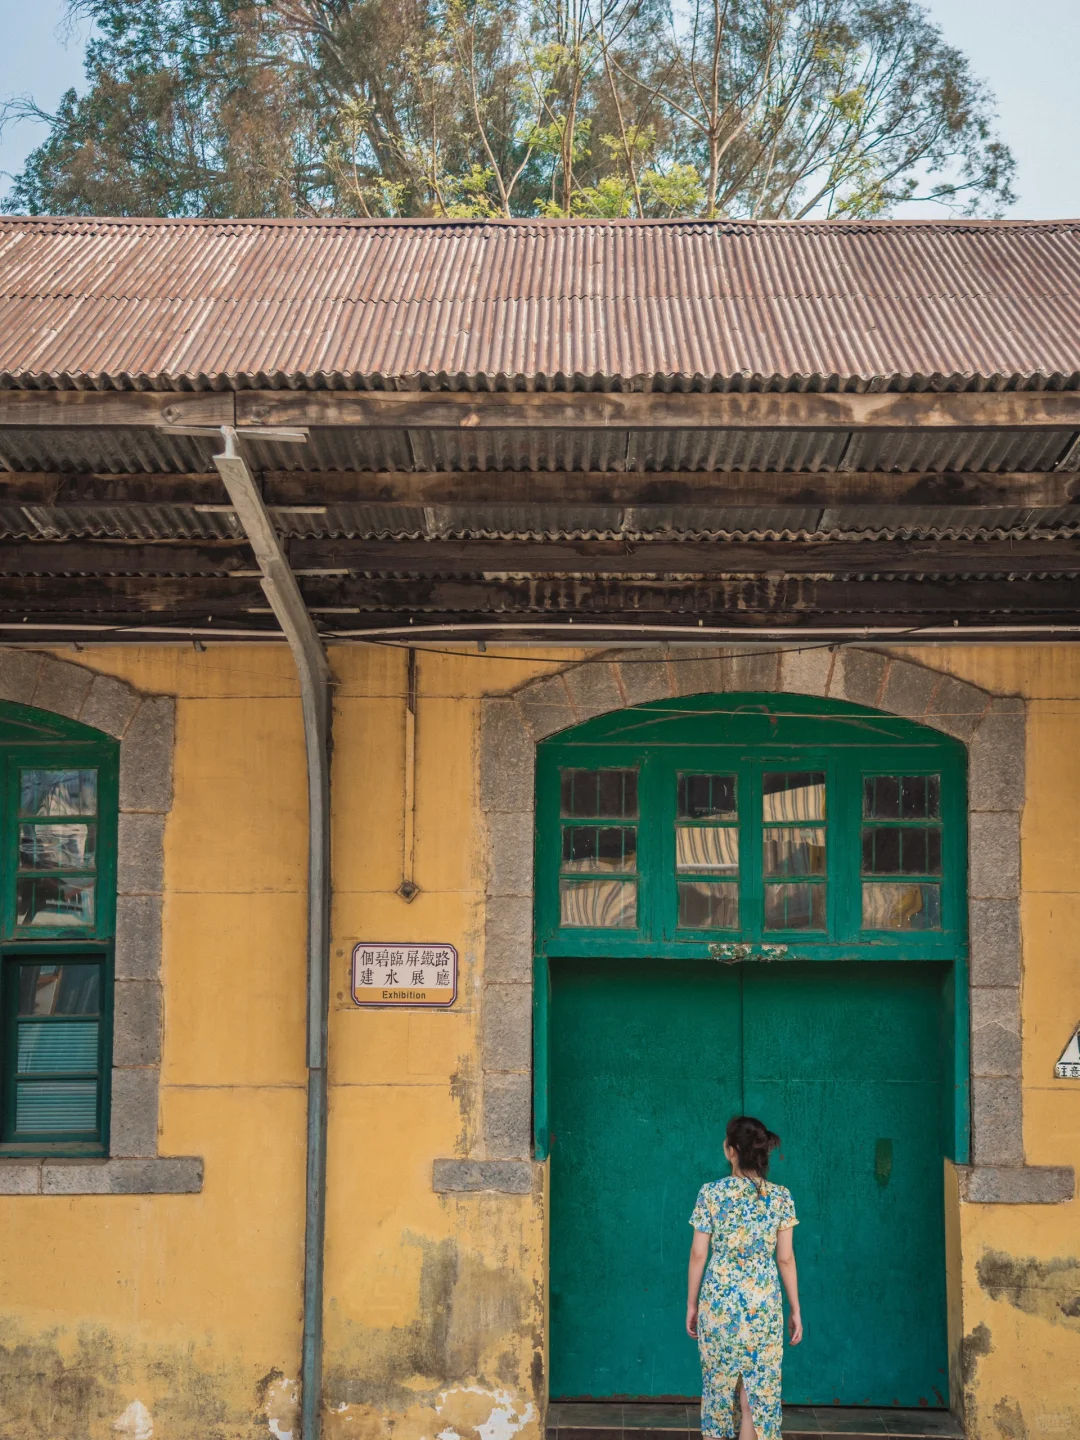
[163,1175]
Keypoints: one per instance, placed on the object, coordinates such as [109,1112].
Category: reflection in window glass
[707,797]
[901,850]
[795,907]
[794,852]
[599,848]
[61,989]
[53,901]
[901,907]
[902,797]
[602,904]
[707,847]
[708,907]
[56,847]
[600,794]
[58,792]
[794,795]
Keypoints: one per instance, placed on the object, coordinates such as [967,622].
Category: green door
[848,1062]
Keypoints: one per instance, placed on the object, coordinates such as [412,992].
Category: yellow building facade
[178,1315]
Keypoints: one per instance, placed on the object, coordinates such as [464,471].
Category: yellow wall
[1021,1264]
[190,1305]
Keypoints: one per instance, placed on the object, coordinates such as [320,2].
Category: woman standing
[737,1316]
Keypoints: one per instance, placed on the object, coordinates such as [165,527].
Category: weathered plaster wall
[1021,1264]
[182,1312]
[177,1315]
[434,1301]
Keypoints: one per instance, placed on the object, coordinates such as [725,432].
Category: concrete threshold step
[612,1420]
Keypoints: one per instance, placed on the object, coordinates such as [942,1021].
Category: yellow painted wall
[434,1305]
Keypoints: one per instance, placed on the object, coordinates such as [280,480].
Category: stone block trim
[993,728]
[145,727]
[512,1177]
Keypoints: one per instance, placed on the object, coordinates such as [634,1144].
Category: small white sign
[1068,1067]
[389,976]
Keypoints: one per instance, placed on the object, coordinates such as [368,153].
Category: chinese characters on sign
[384,976]
[1068,1067]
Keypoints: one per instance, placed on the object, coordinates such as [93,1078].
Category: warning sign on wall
[1068,1067]
[386,976]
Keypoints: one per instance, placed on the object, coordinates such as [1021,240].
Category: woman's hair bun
[752,1142]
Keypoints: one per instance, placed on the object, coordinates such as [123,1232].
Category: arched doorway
[752,903]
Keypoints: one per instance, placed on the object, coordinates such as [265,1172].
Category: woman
[737,1317]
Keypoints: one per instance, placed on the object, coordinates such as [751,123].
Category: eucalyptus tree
[759,108]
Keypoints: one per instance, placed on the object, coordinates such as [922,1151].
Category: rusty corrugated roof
[168,304]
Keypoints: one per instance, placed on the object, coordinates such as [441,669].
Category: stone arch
[145,727]
[993,729]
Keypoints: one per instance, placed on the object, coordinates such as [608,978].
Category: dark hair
[752,1143]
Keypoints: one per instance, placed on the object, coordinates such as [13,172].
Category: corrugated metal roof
[373,521]
[683,304]
[116,450]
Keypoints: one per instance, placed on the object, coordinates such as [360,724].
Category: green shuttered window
[58,819]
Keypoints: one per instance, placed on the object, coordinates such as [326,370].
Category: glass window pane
[59,989]
[881,797]
[901,907]
[56,1107]
[902,797]
[58,792]
[795,907]
[707,847]
[57,847]
[707,797]
[708,907]
[600,794]
[607,904]
[595,847]
[901,850]
[53,902]
[57,1047]
[794,852]
[920,797]
[799,795]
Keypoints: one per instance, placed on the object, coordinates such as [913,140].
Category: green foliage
[480,108]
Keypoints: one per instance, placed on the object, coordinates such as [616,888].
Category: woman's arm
[785,1258]
[699,1254]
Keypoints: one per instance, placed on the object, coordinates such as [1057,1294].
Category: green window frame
[769,847]
[59,803]
[746,738]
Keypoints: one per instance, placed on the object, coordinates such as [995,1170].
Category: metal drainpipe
[280,587]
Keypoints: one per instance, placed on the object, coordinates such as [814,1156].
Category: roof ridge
[539,222]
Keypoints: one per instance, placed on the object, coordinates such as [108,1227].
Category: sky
[1028,58]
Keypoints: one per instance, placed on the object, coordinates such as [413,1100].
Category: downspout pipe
[281,590]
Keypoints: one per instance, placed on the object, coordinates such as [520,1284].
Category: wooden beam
[660,489]
[496,558]
[544,410]
[794,600]
[493,559]
[634,411]
[124,557]
[667,488]
[116,407]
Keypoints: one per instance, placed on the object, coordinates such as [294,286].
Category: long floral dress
[740,1313]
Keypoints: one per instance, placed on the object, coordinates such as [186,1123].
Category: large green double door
[850,1063]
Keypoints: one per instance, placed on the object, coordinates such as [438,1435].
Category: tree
[761,108]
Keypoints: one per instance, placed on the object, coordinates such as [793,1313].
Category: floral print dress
[740,1313]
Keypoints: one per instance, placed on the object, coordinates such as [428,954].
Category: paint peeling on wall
[97,1384]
